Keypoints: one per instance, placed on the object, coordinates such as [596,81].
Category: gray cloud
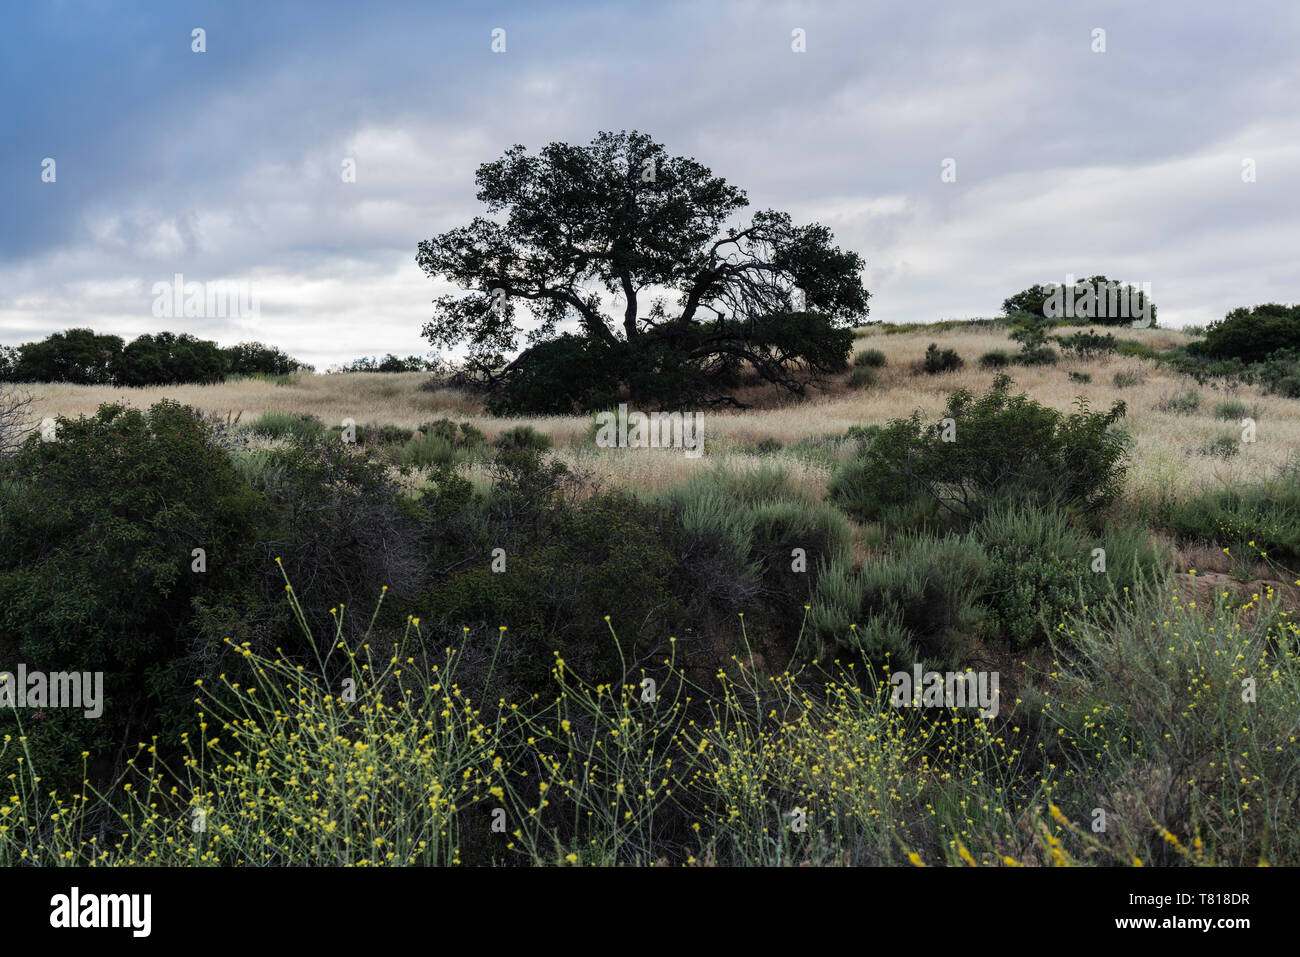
[226,165]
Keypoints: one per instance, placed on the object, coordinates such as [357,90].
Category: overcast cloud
[225,165]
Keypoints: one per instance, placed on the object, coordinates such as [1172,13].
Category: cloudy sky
[226,165]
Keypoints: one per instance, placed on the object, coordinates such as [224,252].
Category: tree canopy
[641,255]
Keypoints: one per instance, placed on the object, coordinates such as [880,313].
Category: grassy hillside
[464,639]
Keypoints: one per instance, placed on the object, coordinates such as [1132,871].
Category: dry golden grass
[1164,458]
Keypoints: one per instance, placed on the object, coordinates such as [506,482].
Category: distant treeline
[84,357]
[391,363]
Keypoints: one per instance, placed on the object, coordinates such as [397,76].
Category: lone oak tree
[695,302]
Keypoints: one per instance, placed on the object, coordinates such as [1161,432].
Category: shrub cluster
[940,360]
[83,357]
[982,446]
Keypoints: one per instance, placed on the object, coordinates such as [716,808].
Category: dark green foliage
[1252,334]
[1134,349]
[563,567]
[8,363]
[1287,386]
[1184,402]
[996,359]
[870,357]
[1266,513]
[1083,378]
[1029,301]
[341,529]
[1042,567]
[523,437]
[564,375]
[444,442]
[1037,356]
[1232,410]
[1279,374]
[388,435]
[918,603]
[769,297]
[254,358]
[287,426]
[862,377]
[1088,345]
[1011,579]
[78,355]
[1031,332]
[940,360]
[740,532]
[998,440]
[389,363]
[1039,563]
[168,359]
[1090,301]
[97,532]
[165,358]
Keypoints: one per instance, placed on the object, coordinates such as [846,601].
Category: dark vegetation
[84,357]
[767,299]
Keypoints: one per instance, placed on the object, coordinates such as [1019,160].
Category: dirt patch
[1203,587]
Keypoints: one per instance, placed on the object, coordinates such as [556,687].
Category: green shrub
[1126,380]
[862,377]
[1253,334]
[792,539]
[432,449]
[1090,295]
[996,359]
[443,442]
[941,360]
[610,555]
[829,449]
[991,442]
[1088,345]
[1265,512]
[167,358]
[523,437]
[388,435]
[869,357]
[98,571]
[287,426]
[1287,386]
[917,604]
[1037,356]
[1135,349]
[1082,378]
[1038,566]
[1180,403]
[1043,568]
[1280,373]
[254,358]
[1234,410]
[461,435]
[559,377]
